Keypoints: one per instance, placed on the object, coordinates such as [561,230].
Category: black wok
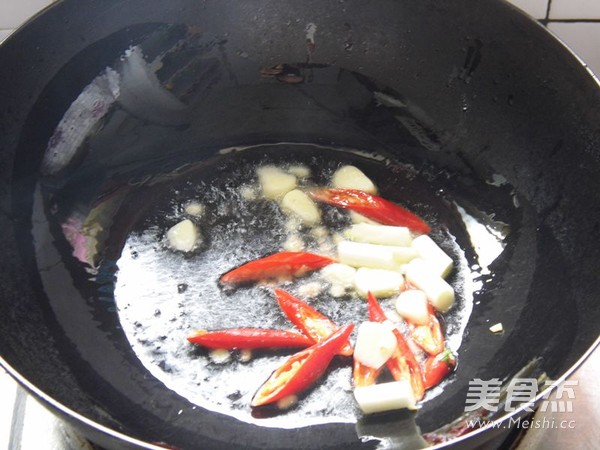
[489,111]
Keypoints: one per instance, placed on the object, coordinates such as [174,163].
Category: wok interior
[162,296]
[492,124]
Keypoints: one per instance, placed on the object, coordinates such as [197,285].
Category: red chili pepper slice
[276,265]
[301,370]
[371,206]
[429,337]
[311,322]
[438,367]
[249,338]
[364,375]
[402,364]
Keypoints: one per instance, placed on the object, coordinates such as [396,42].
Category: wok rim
[57,407]
[64,412]
[555,36]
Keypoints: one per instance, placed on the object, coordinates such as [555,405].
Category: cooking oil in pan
[160,295]
[164,295]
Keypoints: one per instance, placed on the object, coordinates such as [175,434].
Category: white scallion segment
[274,182]
[379,234]
[439,261]
[380,282]
[195,209]
[337,238]
[359,218]
[360,254]
[183,236]
[299,170]
[297,204]
[404,255]
[439,293]
[375,343]
[412,306]
[350,177]
[385,397]
[497,328]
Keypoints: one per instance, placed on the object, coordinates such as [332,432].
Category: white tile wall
[15,12]
[3,35]
[583,38]
[575,9]
[8,392]
[535,8]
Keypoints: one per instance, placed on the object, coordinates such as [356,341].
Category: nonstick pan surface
[116,113]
